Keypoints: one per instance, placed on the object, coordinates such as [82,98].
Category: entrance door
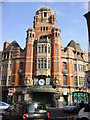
[65,100]
[44,98]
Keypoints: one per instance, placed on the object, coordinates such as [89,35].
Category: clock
[41,82]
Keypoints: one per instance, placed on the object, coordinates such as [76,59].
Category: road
[59,114]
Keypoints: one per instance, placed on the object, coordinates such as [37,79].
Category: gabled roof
[13,44]
[87,14]
[75,45]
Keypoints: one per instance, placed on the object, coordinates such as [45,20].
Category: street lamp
[56,84]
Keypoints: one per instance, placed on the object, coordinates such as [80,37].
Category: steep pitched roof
[13,44]
[75,45]
[87,14]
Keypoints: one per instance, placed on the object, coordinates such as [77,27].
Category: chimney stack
[5,45]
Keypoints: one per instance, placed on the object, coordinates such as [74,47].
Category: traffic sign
[10,90]
[57,92]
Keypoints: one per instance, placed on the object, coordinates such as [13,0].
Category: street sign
[10,90]
[57,92]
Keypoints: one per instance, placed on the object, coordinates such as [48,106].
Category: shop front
[80,96]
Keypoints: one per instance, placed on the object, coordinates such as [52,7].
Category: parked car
[23,110]
[84,113]
[36,111]
[75,108]
[3,107]
[15,111]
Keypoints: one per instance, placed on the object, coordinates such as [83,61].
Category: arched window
[38,63]
[42,48]
[48,49]
[45,64]
[46,28]
[48,64]
[45,49]
[43,28]
[64,65]
[42,63]
[64,80]
[39,49]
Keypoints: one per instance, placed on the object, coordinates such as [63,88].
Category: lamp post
[56,84]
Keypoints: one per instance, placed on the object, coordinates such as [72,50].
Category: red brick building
[44,65]
[87,16]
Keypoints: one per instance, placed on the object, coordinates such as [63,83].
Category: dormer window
[45,14]
[30,34]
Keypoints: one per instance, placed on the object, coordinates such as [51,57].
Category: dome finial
[45,4]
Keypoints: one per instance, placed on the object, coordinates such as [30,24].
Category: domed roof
[44,9]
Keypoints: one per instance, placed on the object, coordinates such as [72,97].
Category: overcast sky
[17,17]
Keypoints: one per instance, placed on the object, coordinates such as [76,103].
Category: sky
[17,17]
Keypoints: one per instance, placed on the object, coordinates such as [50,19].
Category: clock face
[41,82]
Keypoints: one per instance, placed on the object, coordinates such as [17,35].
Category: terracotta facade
[44,61]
